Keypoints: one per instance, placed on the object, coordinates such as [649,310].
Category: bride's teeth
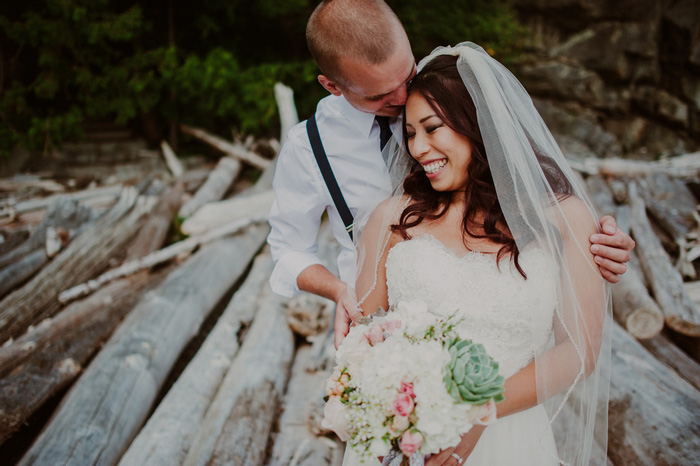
[435,166]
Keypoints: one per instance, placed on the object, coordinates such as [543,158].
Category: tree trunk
[681,315]
[105,409]
[215,187]
[633,308]
[294,439]
[287,110]
[665,351]
[63,213]
[239,420]
[214,214]
[653,412]
[167,437]
[233,149]
[81,260]
[682,166]
[106,193]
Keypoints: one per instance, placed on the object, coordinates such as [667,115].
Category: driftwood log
[295,443]
[64,213]
[665,351]
[288,112]
[106,407]
[240,418]
[633,307]
[215,187]
[171,160]
[168,435]
[49,357]
[653,412]
[103,194]
[214,214]
[236,150]
[81,260]
[682,166]
[681,314]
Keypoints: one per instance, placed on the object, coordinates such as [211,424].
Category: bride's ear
[329,85]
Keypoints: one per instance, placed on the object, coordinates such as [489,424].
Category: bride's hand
[450,456]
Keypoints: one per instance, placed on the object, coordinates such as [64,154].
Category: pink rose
[335,418]
[400,423]
[403,406]
[410,442]
[392,325]
[407,388]
[375,335]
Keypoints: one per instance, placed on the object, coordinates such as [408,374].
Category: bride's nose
[419,146]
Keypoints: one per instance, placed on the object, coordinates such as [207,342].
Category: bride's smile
[443,153]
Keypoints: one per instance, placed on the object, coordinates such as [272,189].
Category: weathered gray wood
[288,112]
[675,195]
[9,240]
[682,166]
[63,213]
[294,439]
[18,272]
[171,160]
[40,360]
[665,351]
[664,279]
[601,196]
[233,149]
[48,358]
[105,409]
[633,307]
[239,420]
[214,214]
[653,412]
[168,435]
[108,193]
[215,187]
[83,258]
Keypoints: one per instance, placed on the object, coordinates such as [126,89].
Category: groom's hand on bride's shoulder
[612,249]
[346,312]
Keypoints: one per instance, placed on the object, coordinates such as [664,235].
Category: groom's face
[380,88]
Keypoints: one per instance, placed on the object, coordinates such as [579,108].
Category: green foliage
[212,64]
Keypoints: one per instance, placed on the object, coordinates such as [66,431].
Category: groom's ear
[330,86]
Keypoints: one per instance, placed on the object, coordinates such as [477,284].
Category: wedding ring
[457,457]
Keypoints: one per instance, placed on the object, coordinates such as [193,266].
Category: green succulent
[472,375]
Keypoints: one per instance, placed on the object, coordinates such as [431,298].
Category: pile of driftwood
[180,354]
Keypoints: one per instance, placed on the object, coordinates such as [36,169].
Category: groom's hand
[612,249]
[346,312]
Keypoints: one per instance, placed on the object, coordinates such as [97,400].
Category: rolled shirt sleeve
[295,216]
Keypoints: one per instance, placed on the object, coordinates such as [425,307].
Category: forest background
[213,64]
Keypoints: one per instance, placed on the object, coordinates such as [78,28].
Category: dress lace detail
[511,316]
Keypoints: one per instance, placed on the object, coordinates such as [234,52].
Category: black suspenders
[328,176]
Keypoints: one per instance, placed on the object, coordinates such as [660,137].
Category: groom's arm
[612,248]
[320,281]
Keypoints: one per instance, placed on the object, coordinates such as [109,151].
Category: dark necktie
[385,130]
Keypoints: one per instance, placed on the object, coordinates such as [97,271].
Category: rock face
[615,78]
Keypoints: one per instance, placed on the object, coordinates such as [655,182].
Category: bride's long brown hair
[442,87]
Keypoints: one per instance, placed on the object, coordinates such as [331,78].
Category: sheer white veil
[572,374]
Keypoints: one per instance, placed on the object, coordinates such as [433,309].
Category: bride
[493,226]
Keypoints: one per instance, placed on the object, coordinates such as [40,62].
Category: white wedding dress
[510,316]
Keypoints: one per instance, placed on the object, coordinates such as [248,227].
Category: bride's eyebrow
[427,118]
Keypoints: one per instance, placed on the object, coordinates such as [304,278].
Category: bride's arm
[578,329]
[372,251]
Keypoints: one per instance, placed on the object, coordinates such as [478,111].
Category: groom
[366,63]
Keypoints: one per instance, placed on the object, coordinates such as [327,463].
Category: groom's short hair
[364,30]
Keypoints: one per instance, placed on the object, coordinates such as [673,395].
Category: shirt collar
[360,120]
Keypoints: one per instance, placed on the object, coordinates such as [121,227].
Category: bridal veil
[572,375]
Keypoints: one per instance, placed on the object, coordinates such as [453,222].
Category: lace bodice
[510,316]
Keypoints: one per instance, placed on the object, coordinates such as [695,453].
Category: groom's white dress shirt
[351,141]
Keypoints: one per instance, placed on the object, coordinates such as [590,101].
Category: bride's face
[442,152]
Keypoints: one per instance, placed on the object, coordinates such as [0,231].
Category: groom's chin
[390,111]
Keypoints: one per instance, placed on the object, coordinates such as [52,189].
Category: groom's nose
[399,96]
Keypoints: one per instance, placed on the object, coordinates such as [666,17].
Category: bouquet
[406,385]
